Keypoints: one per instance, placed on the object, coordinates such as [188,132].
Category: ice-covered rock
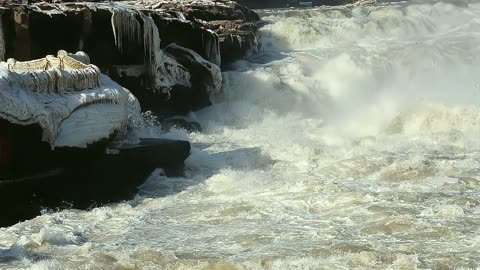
[234,24]
[209,74]
[127,41]
[73,102]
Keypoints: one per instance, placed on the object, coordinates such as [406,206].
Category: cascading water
[351,141]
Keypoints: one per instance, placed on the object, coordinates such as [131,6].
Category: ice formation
[126,28]
[212,49]
[164,70]
[211,75]
[53,74]
[70,100]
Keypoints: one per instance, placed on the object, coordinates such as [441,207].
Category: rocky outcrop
[167,53]
[127,41]
[234,23]
[77,178]
[70,100]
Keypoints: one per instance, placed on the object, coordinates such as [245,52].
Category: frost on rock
[164,71]
[71,101]
[210,74]
[126,28]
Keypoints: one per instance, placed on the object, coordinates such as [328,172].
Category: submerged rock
[180,123]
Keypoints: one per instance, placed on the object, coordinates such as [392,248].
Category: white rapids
[352,141]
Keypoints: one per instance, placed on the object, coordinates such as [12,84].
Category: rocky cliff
[168,53]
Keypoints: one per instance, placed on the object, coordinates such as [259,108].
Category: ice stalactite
[126,28]
[54,74]
[214,55]
[151,43]
[75,80]
[163,70]
[211,46]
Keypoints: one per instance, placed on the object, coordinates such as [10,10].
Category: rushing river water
[352,140]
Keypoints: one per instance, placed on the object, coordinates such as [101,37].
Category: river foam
[350,142]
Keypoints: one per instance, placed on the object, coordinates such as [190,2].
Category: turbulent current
[351,141]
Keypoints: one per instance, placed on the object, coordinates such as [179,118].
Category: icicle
[126,28]
[217,57]
[163,70]
[212,47]
[55,74]
[153,53]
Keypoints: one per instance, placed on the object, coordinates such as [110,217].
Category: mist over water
[351,141]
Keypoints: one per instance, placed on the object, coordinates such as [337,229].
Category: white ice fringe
[212,47]
[126,28]
[163,70]
[54,74]
[72,102]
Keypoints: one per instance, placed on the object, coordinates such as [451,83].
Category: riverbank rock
[81,179]
[72,102]
[127,41]
[234,23]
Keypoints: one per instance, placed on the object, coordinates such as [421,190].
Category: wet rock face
[127,41]
[234,23]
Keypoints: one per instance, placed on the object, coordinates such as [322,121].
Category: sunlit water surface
[351,141]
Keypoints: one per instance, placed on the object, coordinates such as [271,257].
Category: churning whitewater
[352,140]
